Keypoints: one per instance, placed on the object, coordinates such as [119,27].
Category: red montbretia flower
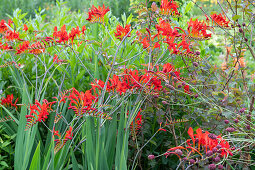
[11,35]
[83,29]
[62,34]
[60,143]
[69,134]
[169,8]
[38,112]
[56,60]
[136,124]
[81,103]
[197,30]
[25,27]
[218,20]
[74,33]
[5,46]
[8,101]
[97,14]
[122,32]
[3,26]
[23,47]
[207,142]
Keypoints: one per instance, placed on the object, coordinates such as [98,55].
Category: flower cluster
[60,143]
[213,147]
[136,125]
[218,20]
[97,14]
[197,30]
[38,112]
[8,101]
[122,32]
[169,8]
[63,36]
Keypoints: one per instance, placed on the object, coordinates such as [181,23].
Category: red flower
[25,27]
[69,134]
[97,14]
[11,35]
[8,101]
[83,29]
[80,101]
[62,34]
[60,143]
[186,89]
[219,20]
[169,8]
[40,110]
[23,47]
[74,33]
[191,135]
[136,125]
[145,42]
[3,26]
[197,29]
[164,28]
[36,48]
[122,32]
[5,46]
[167,68]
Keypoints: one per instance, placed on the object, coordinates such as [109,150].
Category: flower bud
[212,136]
[164,102]
[151,157]
[195,64]
[179,86]
[172,74]
[212,166]
[183,83]
[239,25]
[170,87]
[196,96]
[220,167]
[236,120]
[175,79]
[191,161]
[242,110]
[197,53]
[245,39]
[248,127]
[179,152]
[218,146]
[248,116]
[226,121]
[214,150]
[155,96]
[217,159]
[229,129]
[240,30]
[244,24]
[209,153]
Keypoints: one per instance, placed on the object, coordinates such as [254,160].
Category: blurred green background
[117,7]
[28,6]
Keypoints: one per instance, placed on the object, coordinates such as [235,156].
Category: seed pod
[195,64]
[212,166]
[226,121]
[151,157]
[229,129]
[220,167]
[192,161]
